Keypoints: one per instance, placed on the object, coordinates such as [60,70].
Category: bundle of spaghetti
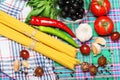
[47,51]
[37,35]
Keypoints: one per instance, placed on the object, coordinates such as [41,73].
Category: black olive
[72,11]
[66,8]
[72,1]
[76,5]
[61,3]
[74,17]
[81,10]
[63,14]
[79,15]
[81,2]
[67,2]
[69,8]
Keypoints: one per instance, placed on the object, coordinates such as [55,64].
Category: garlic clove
[100,40]
[84,32]
[25,64]
[16,65]
[96,49]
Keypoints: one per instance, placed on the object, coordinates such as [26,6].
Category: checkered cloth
[10,50]
[17,9]
[112,52]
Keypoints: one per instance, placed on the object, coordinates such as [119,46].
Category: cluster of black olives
[73,9]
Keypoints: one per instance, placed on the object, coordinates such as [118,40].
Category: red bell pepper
[42,21]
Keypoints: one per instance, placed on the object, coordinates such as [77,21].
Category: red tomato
[24,54]
[85,49]
[115,36]
[100,7]
[103,25]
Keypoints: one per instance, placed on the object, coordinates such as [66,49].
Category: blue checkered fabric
[10,50]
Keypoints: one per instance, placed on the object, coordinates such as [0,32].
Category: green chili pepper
[58,33]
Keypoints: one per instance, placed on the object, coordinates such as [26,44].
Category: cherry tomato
[115,36]
[39,71]
[24,54]
[85,49]
[100,7]
[103,25]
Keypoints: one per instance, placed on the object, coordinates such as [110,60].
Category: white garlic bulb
[100,40]
[96,49]
[84,32]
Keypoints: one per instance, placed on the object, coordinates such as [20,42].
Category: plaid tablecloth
[9,50]
[111,52]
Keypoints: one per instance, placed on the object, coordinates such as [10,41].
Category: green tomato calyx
[105,25]
[100,2]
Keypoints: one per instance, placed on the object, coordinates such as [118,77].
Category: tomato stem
[105,25]
[100,2]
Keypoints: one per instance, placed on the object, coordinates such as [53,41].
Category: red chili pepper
[42,21]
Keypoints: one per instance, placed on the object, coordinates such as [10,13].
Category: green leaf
[46,8]
[54,13]
[41,3]
[34,12]
[46,12]
[33,3]
[51,14]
